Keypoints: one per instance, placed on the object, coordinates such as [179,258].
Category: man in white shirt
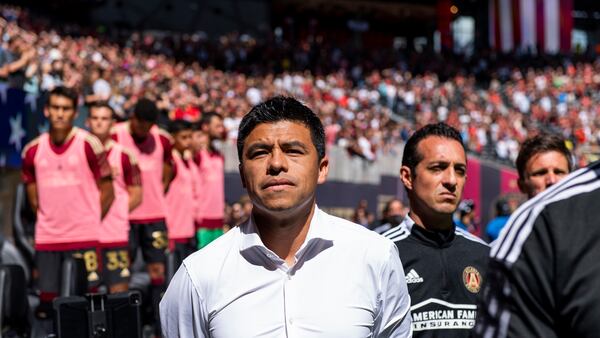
[291,270]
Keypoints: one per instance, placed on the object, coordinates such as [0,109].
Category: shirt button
[291,321]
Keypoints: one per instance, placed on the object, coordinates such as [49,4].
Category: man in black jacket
[444,265]
[544,269]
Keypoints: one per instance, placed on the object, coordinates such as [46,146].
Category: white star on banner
[16,131]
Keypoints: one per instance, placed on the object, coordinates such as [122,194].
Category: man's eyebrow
[258,145]
[294,144]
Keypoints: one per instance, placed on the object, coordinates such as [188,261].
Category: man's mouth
[277,184]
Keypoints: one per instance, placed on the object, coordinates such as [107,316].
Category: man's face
[437,184]
[100,121]
[280,167]
[61,112]
[199,140]
[140,128]
[183,140]
[396,209]
[542,170]
[215,128]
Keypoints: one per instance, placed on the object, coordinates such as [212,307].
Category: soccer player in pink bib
[127,184]
[182,195]
[211,182]
[152,148]
[69,186]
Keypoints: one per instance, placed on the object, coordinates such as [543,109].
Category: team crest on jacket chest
[472,279]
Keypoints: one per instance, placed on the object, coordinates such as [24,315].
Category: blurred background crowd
[369,101]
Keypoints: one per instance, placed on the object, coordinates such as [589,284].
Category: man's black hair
[207,117]
[541,143]
[179,125]
[146,110]
[63,91]
[102,104]
[282,108]
[412,157]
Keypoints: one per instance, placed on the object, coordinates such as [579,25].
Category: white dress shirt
[346,282]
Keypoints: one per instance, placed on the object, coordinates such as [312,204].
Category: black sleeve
[518,299]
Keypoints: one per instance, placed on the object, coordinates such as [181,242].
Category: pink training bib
[115,225]
[151,169]
[69,199]
[180,201]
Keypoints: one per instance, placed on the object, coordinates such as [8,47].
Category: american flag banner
[542,26]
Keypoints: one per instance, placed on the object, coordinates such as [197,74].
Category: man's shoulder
[473,242]
[202,263]
[92,141]
[31,147]
[347,231]
[552,208]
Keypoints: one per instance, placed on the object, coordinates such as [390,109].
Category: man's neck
[103,138]
[284,235]
[59,137]
[432,222]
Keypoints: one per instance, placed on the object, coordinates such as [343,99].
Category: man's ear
[406,177]
[241,170]
[323,169]
[522,187]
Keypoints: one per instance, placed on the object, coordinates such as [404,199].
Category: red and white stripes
[536,25]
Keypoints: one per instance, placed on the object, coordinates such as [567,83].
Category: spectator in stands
[466,216]
[69,186]
[393,214]
[503,212]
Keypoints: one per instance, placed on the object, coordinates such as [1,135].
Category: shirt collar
[430,237]
[318,231]
[407,222]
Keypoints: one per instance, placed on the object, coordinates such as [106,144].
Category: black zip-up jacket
[444,273]
[544,274]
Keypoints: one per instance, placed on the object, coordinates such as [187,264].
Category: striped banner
[530,25]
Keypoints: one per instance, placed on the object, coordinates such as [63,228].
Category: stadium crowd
[367,107]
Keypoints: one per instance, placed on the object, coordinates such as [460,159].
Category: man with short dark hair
[181,198]
[542,161]
[152,147]
[69,187]
[393,214]
[444,265]
[291,269]
[544,269]
[127,184]
[210,182]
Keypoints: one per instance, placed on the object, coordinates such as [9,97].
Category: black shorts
[49,267]
[115,265]
[184,249]
[151,238]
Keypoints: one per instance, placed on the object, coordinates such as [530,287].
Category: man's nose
[277,161]
[450,178]
[551,179]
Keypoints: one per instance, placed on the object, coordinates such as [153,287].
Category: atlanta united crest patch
[472,279]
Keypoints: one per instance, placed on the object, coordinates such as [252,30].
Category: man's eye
[295,151]
[258,153]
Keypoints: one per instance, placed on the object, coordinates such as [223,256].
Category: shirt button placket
[289,321]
